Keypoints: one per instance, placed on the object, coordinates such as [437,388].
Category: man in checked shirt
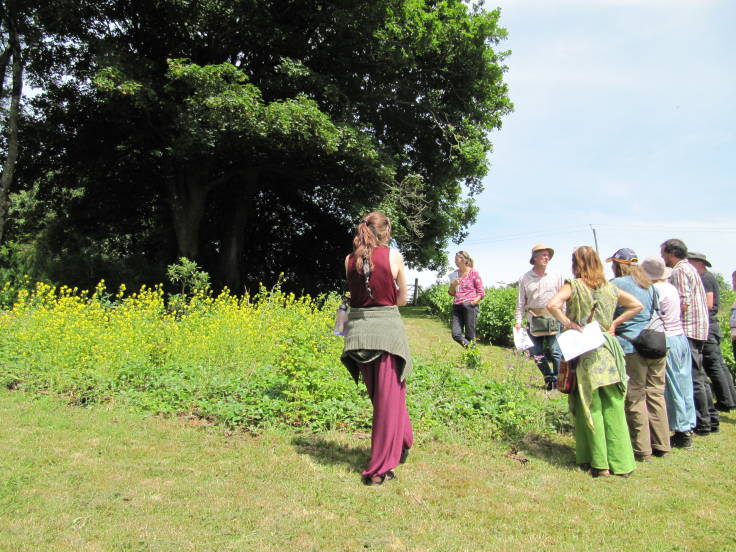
[695,325]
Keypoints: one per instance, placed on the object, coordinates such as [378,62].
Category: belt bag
[651,341]
[543,323]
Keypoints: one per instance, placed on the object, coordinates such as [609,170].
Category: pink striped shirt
[469,287]
[687,281]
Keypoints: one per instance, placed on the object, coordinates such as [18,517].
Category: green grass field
[105,478]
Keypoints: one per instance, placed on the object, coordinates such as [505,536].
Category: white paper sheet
[574,343]
[522,341]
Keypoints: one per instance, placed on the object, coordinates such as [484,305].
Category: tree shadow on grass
[546,448]
[332,453]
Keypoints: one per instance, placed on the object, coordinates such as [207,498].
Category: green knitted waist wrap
[373,329]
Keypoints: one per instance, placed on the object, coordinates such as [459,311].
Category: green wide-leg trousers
[608,446]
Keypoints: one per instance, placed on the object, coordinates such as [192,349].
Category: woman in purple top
[467,289]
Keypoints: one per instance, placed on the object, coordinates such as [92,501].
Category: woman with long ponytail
[376,347]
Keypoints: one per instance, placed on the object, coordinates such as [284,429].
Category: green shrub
[727,298]
[496,318]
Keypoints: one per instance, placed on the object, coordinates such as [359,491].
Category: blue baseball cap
[624,256]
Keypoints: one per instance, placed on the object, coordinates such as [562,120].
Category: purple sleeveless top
[381,281]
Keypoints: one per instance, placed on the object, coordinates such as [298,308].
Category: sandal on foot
[595,472]
[378,479]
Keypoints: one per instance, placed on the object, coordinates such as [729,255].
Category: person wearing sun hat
[678,392]
[536,287]
[646,409]
[715,368]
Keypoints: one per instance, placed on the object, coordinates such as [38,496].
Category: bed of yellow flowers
[247,361]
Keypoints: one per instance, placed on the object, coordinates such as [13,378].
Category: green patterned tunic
[604,365]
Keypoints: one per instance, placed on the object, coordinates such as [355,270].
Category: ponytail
[373,231]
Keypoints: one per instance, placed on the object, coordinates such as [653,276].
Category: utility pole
[595,238]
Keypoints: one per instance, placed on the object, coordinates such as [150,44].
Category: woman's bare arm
[398,272]
[554,306]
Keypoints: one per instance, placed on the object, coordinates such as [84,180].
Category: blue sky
[625,119]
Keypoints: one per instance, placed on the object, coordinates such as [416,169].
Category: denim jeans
[464,316]
[546,351]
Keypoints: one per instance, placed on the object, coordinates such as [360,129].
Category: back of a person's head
[675,247]
[374,230]
[636,273]
[587,266]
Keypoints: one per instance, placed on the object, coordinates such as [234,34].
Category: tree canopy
[250,135]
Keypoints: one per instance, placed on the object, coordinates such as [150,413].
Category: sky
[624,123]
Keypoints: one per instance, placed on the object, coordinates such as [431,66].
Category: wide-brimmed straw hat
[654,268]
[698,257]
[538,248]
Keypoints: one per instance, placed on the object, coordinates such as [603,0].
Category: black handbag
[651,341]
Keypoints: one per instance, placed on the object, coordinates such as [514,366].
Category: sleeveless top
[381,281]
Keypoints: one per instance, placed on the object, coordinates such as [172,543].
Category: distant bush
[496,318]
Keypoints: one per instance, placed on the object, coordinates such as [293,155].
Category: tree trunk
[6,178]
[232,254]
[187,200]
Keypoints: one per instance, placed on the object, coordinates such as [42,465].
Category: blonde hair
[466,256]
[587,266]
[633,270]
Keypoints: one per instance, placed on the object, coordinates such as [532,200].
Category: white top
[535,291]
[669,308]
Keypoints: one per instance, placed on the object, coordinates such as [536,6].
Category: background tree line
[248,135]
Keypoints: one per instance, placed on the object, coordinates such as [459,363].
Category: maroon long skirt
[391,431]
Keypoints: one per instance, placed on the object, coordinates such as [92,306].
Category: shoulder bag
[651,341]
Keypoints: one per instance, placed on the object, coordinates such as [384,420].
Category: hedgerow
[496,317]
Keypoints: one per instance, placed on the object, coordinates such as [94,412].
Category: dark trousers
[464,317]
[547,355]
[720,377]
[706,415]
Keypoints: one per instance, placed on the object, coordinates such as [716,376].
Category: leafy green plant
[496,317]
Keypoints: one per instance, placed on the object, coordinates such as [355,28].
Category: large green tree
[250,135]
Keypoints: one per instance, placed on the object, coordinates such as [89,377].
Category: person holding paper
[602,442]
[467,289]
[536,287]
[646,409]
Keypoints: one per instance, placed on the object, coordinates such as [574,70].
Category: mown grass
[107,478]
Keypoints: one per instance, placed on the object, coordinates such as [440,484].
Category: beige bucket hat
[539,247]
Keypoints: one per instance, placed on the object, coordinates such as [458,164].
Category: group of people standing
[628,406]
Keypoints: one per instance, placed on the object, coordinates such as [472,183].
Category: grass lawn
[105,478]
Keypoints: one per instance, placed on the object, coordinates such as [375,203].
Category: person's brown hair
[633,270]
[587,266]
[373,231]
